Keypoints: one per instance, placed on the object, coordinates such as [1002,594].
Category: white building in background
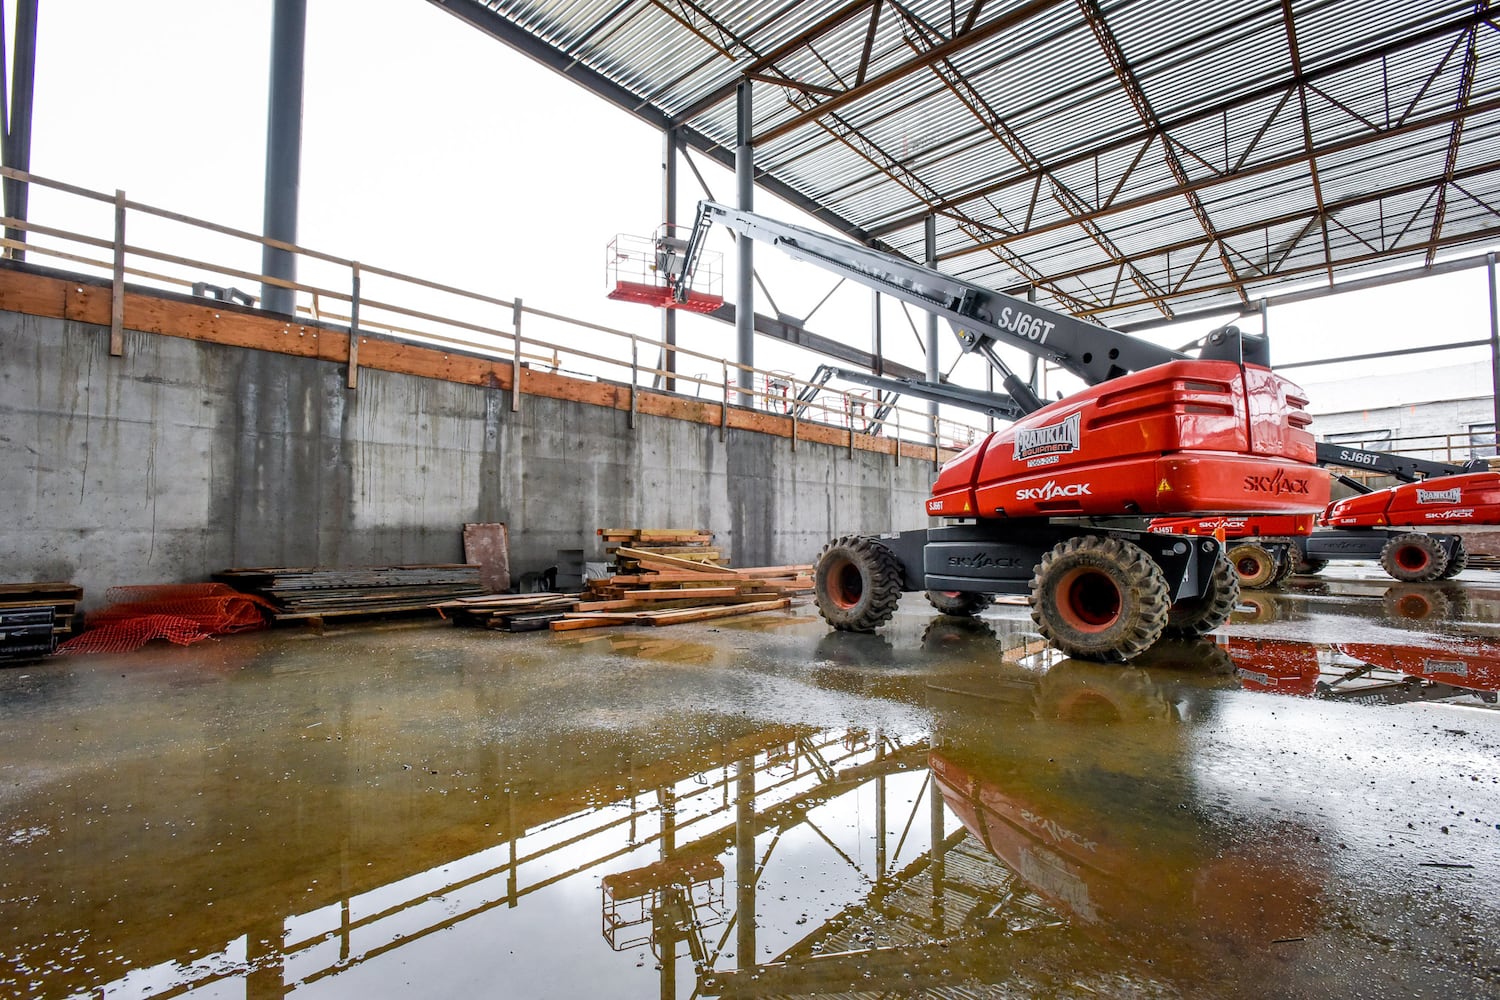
[1439,413]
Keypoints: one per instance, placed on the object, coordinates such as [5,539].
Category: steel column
[744,179]
[930,259]
[669,216]
[283,151]
[17,145]
[1494,342]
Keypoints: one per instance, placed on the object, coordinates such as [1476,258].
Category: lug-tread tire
[1253,564]
[959,603]
[1098,598]
[857,583]
[1413,557]
[1310,567]
[1286,565]
[1194,616]
[1457,562]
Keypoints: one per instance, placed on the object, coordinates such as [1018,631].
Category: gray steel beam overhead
[1130,161]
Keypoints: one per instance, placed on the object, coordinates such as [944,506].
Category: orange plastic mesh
[182,613]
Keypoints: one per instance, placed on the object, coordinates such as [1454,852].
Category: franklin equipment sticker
[1455,495]
[1054,439]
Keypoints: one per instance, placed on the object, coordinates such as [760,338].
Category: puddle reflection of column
[936,812]
[668,933]
[744,862]
[266,975]
[879,806]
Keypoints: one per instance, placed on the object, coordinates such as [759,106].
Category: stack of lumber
[34,616]
[695,544]
[670,590]
[301,593]
[508,612]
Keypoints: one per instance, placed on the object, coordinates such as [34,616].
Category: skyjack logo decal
[982,561]
[1453,514]
[1455,495]
[1051,491]
[1278,485]
[1054,439]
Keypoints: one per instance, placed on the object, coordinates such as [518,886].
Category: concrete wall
[183,458]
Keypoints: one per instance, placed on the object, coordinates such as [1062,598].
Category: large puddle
[1307,806]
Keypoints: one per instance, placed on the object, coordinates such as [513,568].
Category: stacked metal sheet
[313,593]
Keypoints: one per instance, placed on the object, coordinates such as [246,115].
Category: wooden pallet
[63,598]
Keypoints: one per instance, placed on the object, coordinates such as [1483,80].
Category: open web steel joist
[1133,160]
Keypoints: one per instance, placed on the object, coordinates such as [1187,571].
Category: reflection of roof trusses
[917,931]
[1132,160]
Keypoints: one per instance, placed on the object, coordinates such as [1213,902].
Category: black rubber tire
[959,603]
[1254,565]
[1099,598]
[1413,557]
[1310,567]
[856,583]
[1194,616]
[1457,562]
[1286,565]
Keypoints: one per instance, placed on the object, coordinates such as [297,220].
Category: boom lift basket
[645,269]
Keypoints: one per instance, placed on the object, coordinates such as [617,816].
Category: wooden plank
[718,576]
[675,535]
[667,594]
[699,553]
[655,561]
[800,569]
[621,604]
[708,614]
[59,589]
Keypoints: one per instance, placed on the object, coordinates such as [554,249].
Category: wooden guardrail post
[724,420]
[117,287]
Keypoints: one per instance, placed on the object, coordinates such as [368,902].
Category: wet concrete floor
[1306,806]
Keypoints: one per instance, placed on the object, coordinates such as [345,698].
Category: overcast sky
[431,149]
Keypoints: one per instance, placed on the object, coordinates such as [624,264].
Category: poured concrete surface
[943,809]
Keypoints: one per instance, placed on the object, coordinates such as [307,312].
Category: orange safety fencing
[183,613]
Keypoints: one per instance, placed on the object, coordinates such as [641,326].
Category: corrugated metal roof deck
[1132,159]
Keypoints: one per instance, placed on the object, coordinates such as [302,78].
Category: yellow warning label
[966,506]
[1165,487]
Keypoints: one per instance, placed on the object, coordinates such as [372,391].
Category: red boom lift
[1157,432]
[1266,550]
